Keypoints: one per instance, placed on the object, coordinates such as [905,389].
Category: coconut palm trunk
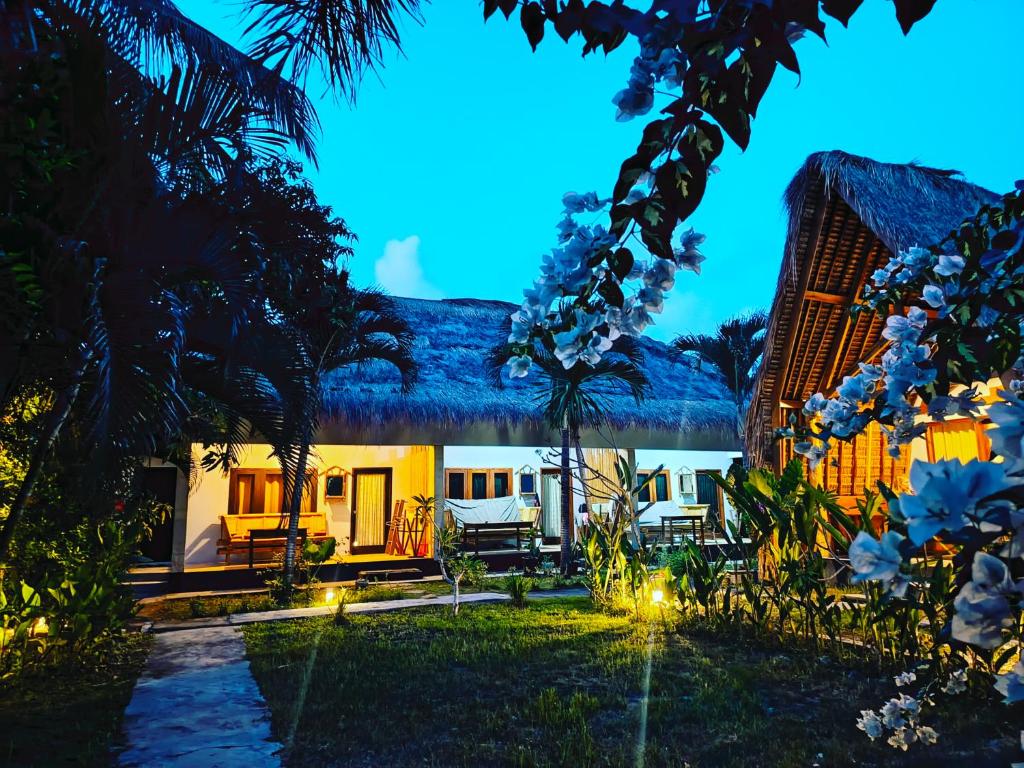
[294,511]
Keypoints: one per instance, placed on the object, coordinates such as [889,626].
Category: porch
[346,568]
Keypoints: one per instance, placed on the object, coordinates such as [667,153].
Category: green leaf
[532,20]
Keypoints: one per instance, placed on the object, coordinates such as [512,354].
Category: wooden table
[692,520]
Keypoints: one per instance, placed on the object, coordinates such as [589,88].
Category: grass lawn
[559,683]
[69,715]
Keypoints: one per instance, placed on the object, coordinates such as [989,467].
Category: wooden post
[438,489]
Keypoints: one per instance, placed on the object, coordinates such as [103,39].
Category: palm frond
[344,37]
[154,36]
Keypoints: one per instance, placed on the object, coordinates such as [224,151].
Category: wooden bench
[495,532]
[248,533]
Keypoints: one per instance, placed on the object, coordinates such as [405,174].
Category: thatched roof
[456,402]
[847,216]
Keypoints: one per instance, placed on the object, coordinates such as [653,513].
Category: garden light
[657,596]
[329,596]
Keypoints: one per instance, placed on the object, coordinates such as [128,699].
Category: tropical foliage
[572,395]
[733,351]
[166,276]
[713,61]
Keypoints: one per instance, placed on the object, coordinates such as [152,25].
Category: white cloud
[399,270]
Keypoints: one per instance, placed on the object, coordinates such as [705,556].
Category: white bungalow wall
[412,475]
[499,457]
[673,461]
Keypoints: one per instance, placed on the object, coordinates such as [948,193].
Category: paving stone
[197,704]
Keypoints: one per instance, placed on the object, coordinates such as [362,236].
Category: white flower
[982,607]
[856,388]
[575,202]
[892,714]
[1011,685]
[949,265]
[1008,434]
[934,296]
[879,560]
[652,298]
[927,735]
[947,494]
[815,404]
[689,257]
[905,679]
[518,366]
[902,738]
[870,723]
[661,275]
[957,682]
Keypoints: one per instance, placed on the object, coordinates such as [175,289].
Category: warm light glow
[657,596]
[40,627]
[329,596]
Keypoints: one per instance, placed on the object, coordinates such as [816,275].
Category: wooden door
[709,493]
[371,509]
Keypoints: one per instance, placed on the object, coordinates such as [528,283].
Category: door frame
[718,490]
[557,472]
[388,474]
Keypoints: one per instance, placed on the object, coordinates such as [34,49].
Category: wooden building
[848,215]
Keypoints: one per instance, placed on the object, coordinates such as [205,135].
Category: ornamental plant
[708,63]
[954,317]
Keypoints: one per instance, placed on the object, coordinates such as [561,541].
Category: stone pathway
[196,704]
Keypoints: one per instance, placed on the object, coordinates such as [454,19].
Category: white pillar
[180,525]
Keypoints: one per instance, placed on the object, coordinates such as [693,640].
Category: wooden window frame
[259,490]
[467,473]
[651,475]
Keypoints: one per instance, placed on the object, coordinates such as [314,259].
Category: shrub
[518,587]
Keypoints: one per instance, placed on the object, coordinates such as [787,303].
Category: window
[527,482]
[854,465]
[456,485]
[962,439]
[658,484]
[501,484]
[334,487]
[477,483]
[261,492]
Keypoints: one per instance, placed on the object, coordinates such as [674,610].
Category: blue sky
[452,163]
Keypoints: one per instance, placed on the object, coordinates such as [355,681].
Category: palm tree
[139,107]
[575,398]
[734,352]
[342,327]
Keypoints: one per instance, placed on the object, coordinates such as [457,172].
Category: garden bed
[70,714]
[560,683]
[178,608]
